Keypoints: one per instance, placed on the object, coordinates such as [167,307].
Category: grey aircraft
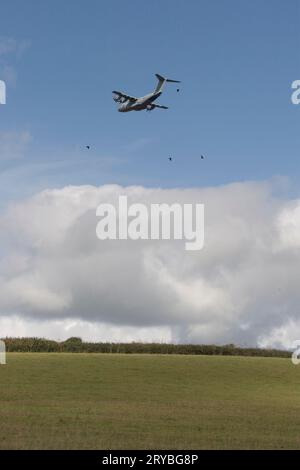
[130,103]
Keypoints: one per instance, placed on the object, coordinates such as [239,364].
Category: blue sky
[236,59]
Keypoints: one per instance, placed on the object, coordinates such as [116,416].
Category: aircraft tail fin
[161,81]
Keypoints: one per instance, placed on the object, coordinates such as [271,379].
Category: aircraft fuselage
[139,104]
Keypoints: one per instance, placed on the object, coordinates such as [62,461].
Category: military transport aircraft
[130,103]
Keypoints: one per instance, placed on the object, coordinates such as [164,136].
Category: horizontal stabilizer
[162,80]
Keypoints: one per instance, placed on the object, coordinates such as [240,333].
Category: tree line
[76,345]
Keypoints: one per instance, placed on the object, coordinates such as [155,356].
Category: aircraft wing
[121,97]
[159,106]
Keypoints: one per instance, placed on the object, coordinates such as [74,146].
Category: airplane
[130,103]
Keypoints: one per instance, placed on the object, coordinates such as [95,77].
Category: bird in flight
[170,158]
[88,147]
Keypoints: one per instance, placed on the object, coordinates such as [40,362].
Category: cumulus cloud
[57,278]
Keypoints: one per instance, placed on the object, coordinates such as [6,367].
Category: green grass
[98,401]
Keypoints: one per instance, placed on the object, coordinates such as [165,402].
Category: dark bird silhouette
[178,90]
[202,157]
[170,158]
[88,147]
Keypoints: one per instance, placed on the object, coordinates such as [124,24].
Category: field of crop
[98,401]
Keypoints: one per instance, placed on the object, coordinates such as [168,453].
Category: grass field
[98,401]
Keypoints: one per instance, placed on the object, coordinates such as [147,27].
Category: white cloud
[242,287]
[289,226]
[63,329]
